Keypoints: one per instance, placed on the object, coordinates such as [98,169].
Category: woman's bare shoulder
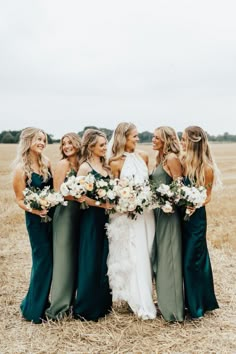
[84,169]
[172,157]
[117,162]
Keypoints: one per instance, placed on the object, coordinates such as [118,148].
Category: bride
[130,241]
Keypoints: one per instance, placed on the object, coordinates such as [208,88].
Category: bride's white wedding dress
[130,244]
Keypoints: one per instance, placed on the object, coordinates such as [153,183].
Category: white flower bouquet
[103,191]
[191,196]
[164,198]
[77,186]
[41,199]
[132,198]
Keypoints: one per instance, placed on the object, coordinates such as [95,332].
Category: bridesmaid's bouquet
[132,198]
[164,198]
[41,199]
[191,196]
[104,192]
[177,193]
[77,186]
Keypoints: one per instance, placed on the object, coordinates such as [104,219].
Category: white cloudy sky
[68,64]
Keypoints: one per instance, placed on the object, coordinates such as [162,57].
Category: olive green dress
[167,257]
[36,301]
[65,244]
[198,278]
[93,298]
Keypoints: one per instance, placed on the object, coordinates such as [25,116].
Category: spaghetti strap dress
[167,257]
[93,295]
[65,252]
[36,300]
[198,278]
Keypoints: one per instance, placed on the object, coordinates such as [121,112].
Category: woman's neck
[34,157]
[129,150]
[74,163]
[95,160]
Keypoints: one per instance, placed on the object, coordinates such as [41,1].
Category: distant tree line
[12,136]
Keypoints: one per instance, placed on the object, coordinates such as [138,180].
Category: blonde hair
[76,142]
[89,140]
[170,141]
[121,134]
[27,137]
[198,156]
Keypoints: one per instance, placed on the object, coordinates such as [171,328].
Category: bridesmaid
[32,169]
[93,298]
[200,169]
[167,252]
[65,232]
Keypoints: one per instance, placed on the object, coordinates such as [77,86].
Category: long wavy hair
[27,137]
[198,156]
[120,136]
[170,141]
[76,142]
[89,140]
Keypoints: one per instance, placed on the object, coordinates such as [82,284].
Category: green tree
[8,138]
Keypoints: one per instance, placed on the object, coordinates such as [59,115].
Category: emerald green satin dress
[36,301]
[198,278]
[93,298]
[167,257]
[65,252]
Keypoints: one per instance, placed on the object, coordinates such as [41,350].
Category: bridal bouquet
[132,198]
[41,199]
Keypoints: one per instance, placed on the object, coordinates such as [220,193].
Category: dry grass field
[120,332]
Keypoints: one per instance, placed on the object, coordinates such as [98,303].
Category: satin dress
[65,253]
[198,278]
[167,257]
[93,295]
[36,300]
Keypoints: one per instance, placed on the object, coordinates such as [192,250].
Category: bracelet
[97,203]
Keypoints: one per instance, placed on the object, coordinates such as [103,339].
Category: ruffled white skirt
[129,264]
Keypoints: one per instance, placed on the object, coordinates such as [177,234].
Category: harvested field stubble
[120,332]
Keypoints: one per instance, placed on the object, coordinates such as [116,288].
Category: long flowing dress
[65,244]
[36,301]
[198,278]
[130,245]
[93,298]
[167,257]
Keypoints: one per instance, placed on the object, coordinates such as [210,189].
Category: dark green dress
[40,234]
[198,278]
[93,298]
[167,257]
[65,244]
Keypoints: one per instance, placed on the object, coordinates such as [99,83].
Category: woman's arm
[116,168]
[60,174]
[209,177]
[144,156]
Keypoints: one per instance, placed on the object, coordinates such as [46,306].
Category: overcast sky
[68,64]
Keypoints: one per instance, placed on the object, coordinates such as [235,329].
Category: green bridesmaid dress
[36,301]
[198,279]
[167,257]
[65,244]
[93,298]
